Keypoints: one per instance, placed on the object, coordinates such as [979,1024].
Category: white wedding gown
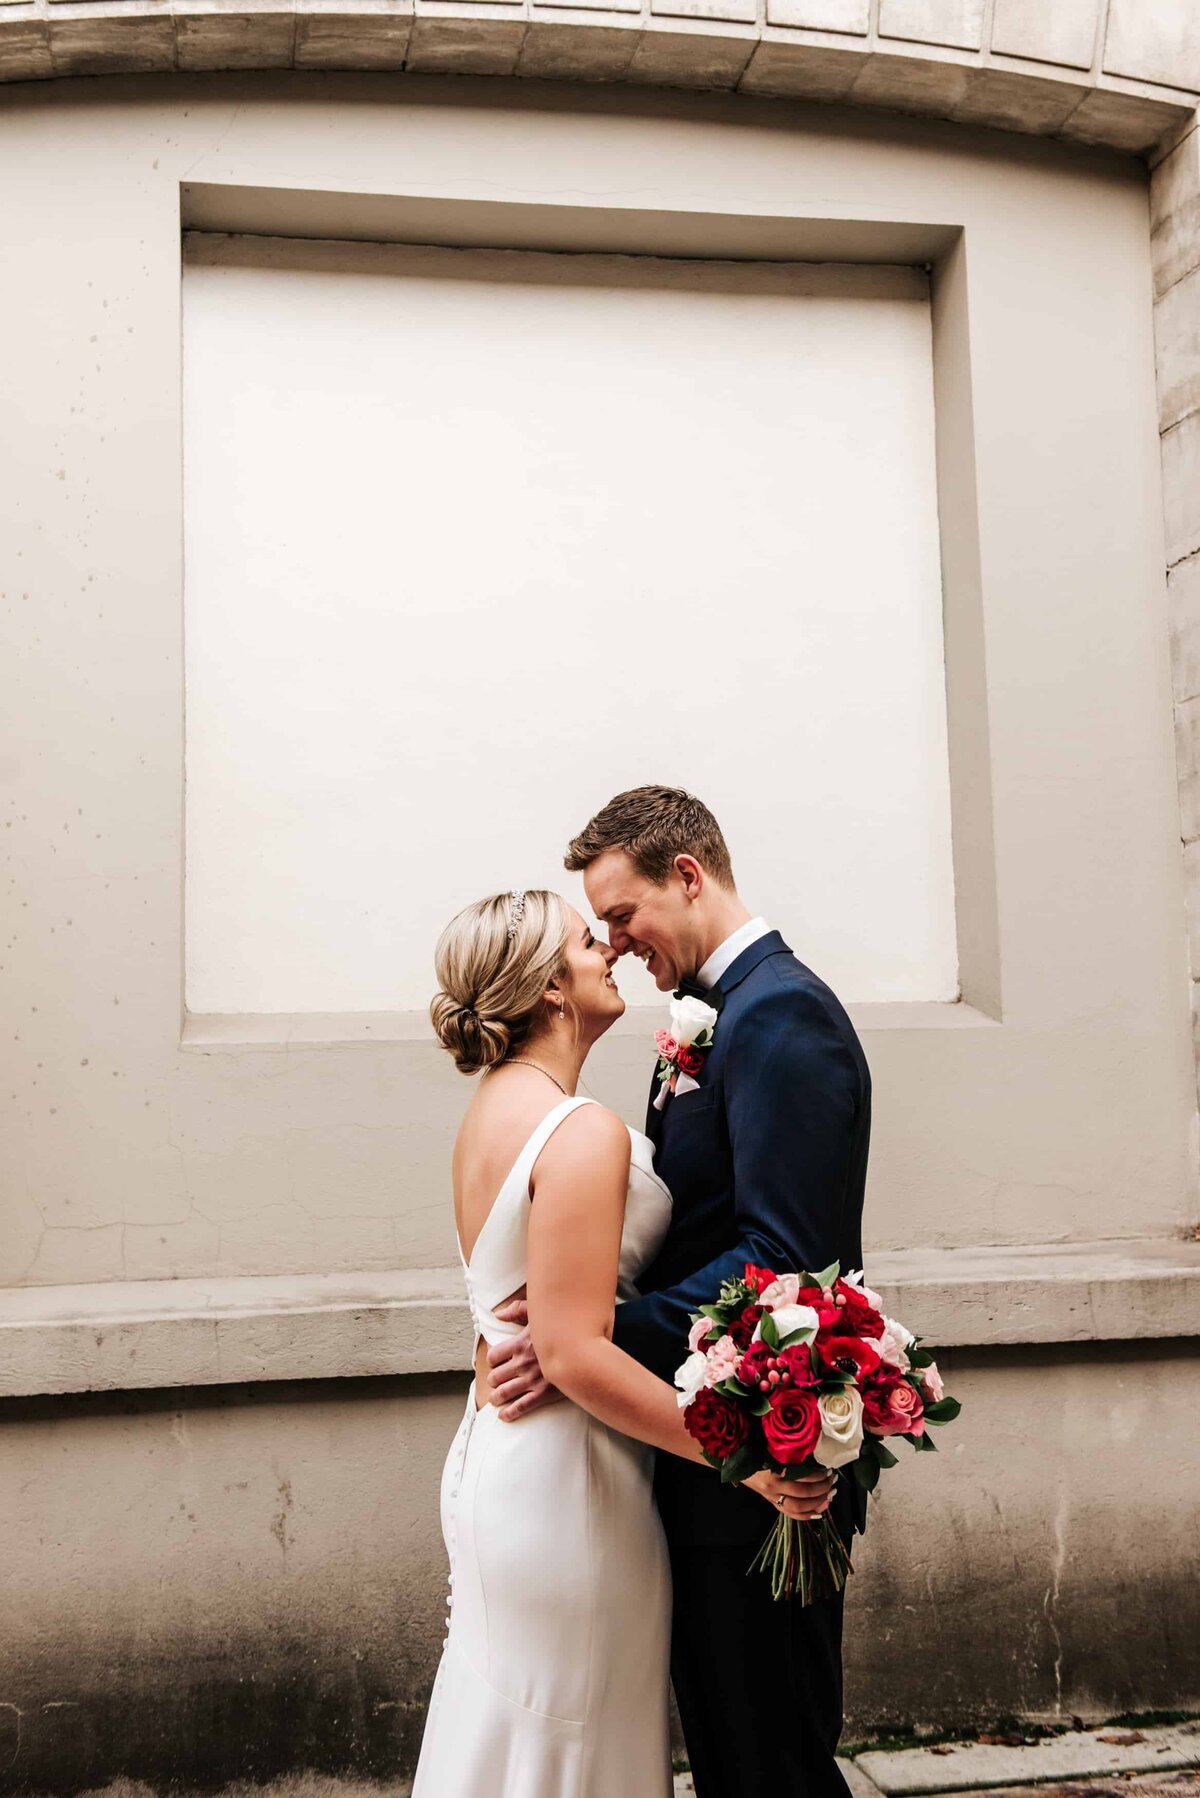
[554,1676]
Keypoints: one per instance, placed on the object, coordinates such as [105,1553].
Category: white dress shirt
[725,956]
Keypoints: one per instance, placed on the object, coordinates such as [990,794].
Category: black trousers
[758,1682]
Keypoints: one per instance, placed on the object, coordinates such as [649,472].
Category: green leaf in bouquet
[943,1410]
[919,1357]
[759,1405]
[925,1444]
[883,1455]
[827,1275]
[767,1330]
[742,1463]
[718,1313]
[866,1472]
[807,1334]
[733,1388]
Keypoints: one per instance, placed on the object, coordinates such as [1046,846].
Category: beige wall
[1056,1104]
[223,1584]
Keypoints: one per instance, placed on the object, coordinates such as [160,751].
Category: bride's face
[587,981]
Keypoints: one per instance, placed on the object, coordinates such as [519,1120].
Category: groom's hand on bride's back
[516,1383]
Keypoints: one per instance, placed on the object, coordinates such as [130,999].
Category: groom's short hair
[653,825]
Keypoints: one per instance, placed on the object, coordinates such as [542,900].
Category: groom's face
[654,923]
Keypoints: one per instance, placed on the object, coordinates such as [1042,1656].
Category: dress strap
[542,1135]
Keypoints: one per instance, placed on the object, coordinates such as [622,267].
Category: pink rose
[723,1359]
[781,1291]
[702,1327]
[668,1048]
[931,1379]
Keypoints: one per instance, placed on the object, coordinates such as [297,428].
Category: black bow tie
[692,989]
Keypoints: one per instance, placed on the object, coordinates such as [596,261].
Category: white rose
[788,1318]
[894,1344]
[780,1292]
[690,1018]
[690,1377]
[841,1427]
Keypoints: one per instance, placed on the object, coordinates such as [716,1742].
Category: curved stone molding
[1047,70]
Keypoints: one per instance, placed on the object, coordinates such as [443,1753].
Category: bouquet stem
[804,1560]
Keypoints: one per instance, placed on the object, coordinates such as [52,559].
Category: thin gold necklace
[524,1061]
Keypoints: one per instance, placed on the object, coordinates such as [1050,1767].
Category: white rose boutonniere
[682,1048]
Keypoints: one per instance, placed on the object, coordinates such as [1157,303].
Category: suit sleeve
[792,1093]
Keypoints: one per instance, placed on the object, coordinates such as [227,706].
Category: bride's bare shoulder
[588,1134]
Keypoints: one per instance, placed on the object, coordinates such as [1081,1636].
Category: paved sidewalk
[1110,1761]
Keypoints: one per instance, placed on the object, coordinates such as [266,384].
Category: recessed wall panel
[476,539]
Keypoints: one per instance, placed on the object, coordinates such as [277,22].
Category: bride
[554,1678]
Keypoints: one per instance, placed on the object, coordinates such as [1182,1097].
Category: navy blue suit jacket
[767,1163]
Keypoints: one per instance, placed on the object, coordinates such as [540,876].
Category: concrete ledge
[765,47]
[1079,1754]
[151,1333]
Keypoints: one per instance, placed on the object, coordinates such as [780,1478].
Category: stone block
[956,23]
[1183,607]
[1181,488]
[1187,766]
[805,71]
[1123,121]
[25,50]
[210,39]
[699,58]
[556,51]
[1191,898]
[1175,213]
[1012,102]
[445,46]
[141,45]
[928,85]
[738,12]
[352,40]
[850,16]
[1154,40]
[587,14]
[1063,32]
[1177,350]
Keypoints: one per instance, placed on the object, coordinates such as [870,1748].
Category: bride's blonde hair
[494,962]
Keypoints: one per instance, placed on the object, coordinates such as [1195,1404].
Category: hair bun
[475,1042]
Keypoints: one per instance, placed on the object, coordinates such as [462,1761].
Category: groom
[766,1159]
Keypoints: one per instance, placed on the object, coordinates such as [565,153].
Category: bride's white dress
[554,1676]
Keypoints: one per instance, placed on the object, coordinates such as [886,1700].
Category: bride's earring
[562,1011]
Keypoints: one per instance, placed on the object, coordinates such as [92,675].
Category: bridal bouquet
[799,1372]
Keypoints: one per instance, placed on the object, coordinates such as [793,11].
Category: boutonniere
[682,1048]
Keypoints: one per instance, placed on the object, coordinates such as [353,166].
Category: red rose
[758,1278]
[793,1424]
[849,1354]
[796,1363]
[829,1315]
[719,1425]
[858,1315]
[689,1061]
[891,1406]
[743,1326]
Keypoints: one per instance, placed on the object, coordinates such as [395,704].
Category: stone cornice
[1135,90]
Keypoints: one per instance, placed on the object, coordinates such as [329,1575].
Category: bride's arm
[579,1188]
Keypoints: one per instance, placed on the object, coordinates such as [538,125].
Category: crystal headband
[516,911]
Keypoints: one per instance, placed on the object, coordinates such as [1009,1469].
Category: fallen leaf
[1125,1740]
[941,1748]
